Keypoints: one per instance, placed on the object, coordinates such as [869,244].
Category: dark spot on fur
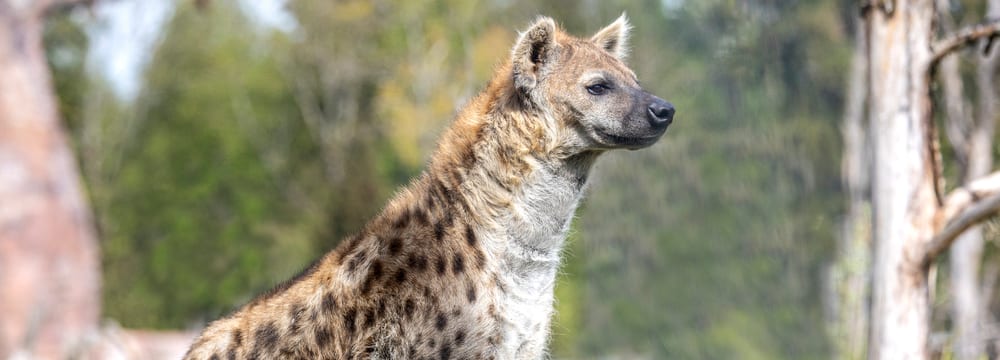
[266,337]
[370,318]
[323,337]
[214,357]
[231,353]
[470,236]
[395,246]
[349,318]
[459,337]
[402,220]
[238,337]
[432,344]
[441,322]
[469,157]
[470,293]
[408,308]
[422,217]
[329,303]
[400,276]
[439,231]
[376,269]
[442,265]
[458,266]
[417,262]
[411,351]
[445,351]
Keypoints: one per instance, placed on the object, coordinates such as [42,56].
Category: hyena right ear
[614,38]
[534,50]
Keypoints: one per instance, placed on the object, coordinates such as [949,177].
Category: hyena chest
[499,311]
[458,319]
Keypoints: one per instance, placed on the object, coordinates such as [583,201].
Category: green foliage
[249,153]
[211,200]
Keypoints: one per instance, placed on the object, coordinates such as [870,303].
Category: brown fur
[422,279]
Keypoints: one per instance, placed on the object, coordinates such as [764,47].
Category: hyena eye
[598,89]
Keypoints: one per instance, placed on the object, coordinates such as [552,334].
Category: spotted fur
[461,264]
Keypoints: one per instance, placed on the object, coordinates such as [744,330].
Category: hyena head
[584,84]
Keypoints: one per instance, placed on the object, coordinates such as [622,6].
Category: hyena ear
[614,37]
[534,50]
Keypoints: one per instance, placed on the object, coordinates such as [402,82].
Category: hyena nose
[661,113]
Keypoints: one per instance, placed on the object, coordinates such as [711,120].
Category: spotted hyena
[462,262]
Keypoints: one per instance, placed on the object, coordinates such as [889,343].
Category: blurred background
[225,144]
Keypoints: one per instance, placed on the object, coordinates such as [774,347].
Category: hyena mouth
[632,142]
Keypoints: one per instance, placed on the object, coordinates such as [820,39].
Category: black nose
[661,113]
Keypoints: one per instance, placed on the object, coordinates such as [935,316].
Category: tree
[970,134]
[212,182]
[914,221]
[48,253]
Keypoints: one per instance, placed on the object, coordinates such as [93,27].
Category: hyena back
[461,263]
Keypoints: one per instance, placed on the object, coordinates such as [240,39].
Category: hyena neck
[515,180]
[534,232]
[521,193]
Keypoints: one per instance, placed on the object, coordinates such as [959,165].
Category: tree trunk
[851,272]
[49,296]
[904,197]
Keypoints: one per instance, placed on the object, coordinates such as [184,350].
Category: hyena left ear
[535,49]
[614,37]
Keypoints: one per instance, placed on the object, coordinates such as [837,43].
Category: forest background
[247,149]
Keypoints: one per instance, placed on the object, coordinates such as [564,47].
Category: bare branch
[949,44]
[963,208]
